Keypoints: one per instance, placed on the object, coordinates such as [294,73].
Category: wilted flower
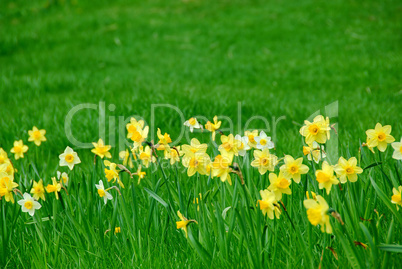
[37,136]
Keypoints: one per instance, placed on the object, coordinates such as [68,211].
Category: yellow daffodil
[7,168]
[279,185]
[251,135]
[294,168]
[54,187]
[101,149]
[268,204]
[125,156]
[397,197]
[397,155]
[37,136]
[213,127]
[146,156]
[102,192]
[7,186]
[117,230]
[263,141]
[69,158]
[183,223]
[3,157]
[196,162]
[379,137]
[38,190]
[221,168]
[63,177]
[140,174]
[138,136]
[112,173]
[315,152]
[19,149]
[242,145]
[195,146]
[192,123]
[264,161]
[163,139]
[317,213]
[173,155]
[28,204]
[347,169]
[326,177]
[318,130]
[133,124]
[229,146]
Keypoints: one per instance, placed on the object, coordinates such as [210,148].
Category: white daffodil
[69,158]
[243,144]
[28,204]
[264,141]
[192,123]
[102,192]
[63,177]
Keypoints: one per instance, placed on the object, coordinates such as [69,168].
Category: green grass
[277,58]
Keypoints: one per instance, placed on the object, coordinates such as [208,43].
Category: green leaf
[390,248]
[157,198]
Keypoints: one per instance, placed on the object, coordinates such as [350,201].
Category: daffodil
[196,162]
[318,130]
[183,223]
[140,174]
[242,145]
[7,168]
[101,149]
[117,230]
[264,141]
[37,136]
[146,156]
[326,177]
[294,168]
[54,187]
[163,139]
[213,127]
[315,152]
[317,213]
[229,146]
[397,197]
[251,135]
[102,192]
[264,161]
[19,149]
[173,155]
[125,155]
[397,155]
[221,168]
[63,177]
[347,169]
[69,158]
[138,136]
[28,204]
[3,157]
[192,123]
[268,204]
[133,124]
[38,190]
[7,186]
[379,137]
[195,146]
[279,185]
[112,173]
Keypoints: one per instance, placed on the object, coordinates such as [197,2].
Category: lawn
[167,61]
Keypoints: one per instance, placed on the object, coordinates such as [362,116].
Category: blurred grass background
[276,57]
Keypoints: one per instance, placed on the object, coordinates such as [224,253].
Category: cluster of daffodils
[195,158]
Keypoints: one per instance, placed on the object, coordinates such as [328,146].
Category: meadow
[285,61]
